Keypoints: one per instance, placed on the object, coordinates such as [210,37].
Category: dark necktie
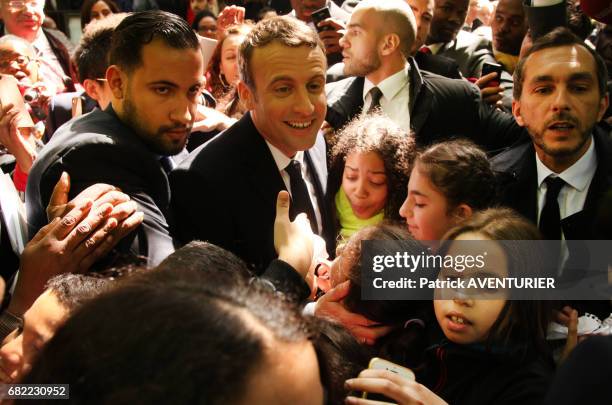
[167,163]
[300,198]
[375,96]
[550,219]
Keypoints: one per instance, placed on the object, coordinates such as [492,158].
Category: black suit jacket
[225,193]
[439,108]
[438,64]
[60,110]
[98,148]
[517,174]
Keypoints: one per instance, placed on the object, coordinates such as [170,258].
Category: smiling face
[158,99]
[287,102]
[467,320]
[360,43]
[426,209]
[560,103]
[23,20]
[18,60]
[41,321]
[365,183]
[448,18]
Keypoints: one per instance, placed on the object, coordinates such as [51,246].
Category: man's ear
[117,81]
[516,111]
[247,96]
[390,43]
[603,106]
[91,88]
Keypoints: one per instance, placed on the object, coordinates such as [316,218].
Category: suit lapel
[260,168]
[419,102]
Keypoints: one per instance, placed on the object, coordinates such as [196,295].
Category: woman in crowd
[97,10]
[222,74]
[205,24]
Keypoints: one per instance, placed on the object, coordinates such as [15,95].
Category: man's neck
[387,69]
[29,35]
[559,164]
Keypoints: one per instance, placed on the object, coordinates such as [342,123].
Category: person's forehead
[365,17]
[513,7]
[46,312]
[157,57]
[558,61]
[280,60]
[16,47]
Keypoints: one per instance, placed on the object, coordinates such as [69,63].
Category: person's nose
[561,99]
[405,210]
[302,103]
[184,113]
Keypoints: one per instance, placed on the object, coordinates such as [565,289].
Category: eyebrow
[291,79]
[354,25]
[417,193]
[369,171]
[163,82]
[573,77]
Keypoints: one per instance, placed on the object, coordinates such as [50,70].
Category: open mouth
[561,126]
[300,125]
[458,320]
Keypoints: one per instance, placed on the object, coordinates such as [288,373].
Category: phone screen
[320,15]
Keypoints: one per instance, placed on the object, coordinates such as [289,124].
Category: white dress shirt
[395,98]
[577,177]
[282,161]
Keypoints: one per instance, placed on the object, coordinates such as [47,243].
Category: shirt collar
[281,160]
[391,85]
[578,175]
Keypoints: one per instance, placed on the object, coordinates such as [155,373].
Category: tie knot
[425,50]
[553,186]
[294,168]
[167,163]
[376,95]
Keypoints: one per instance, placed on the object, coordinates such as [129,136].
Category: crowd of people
[187,224]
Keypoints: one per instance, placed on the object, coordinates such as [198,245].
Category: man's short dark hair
[556,38]
[287,31]
[140,29]
[91,55]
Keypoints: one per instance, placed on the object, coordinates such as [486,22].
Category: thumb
[60,191]
[282,205]
[339,292]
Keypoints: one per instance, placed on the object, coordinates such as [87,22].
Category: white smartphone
[377,363]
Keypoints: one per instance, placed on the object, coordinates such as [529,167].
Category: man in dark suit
[559,180]
[446,38]
[155,77]
[423,13]
[376,46]
[233,180]
[559,103]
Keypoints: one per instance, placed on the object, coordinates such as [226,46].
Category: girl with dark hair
[449,182]
[97,10]
[487,348]
[371,159]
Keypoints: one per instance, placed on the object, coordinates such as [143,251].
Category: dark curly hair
[374,132]
[461,171]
